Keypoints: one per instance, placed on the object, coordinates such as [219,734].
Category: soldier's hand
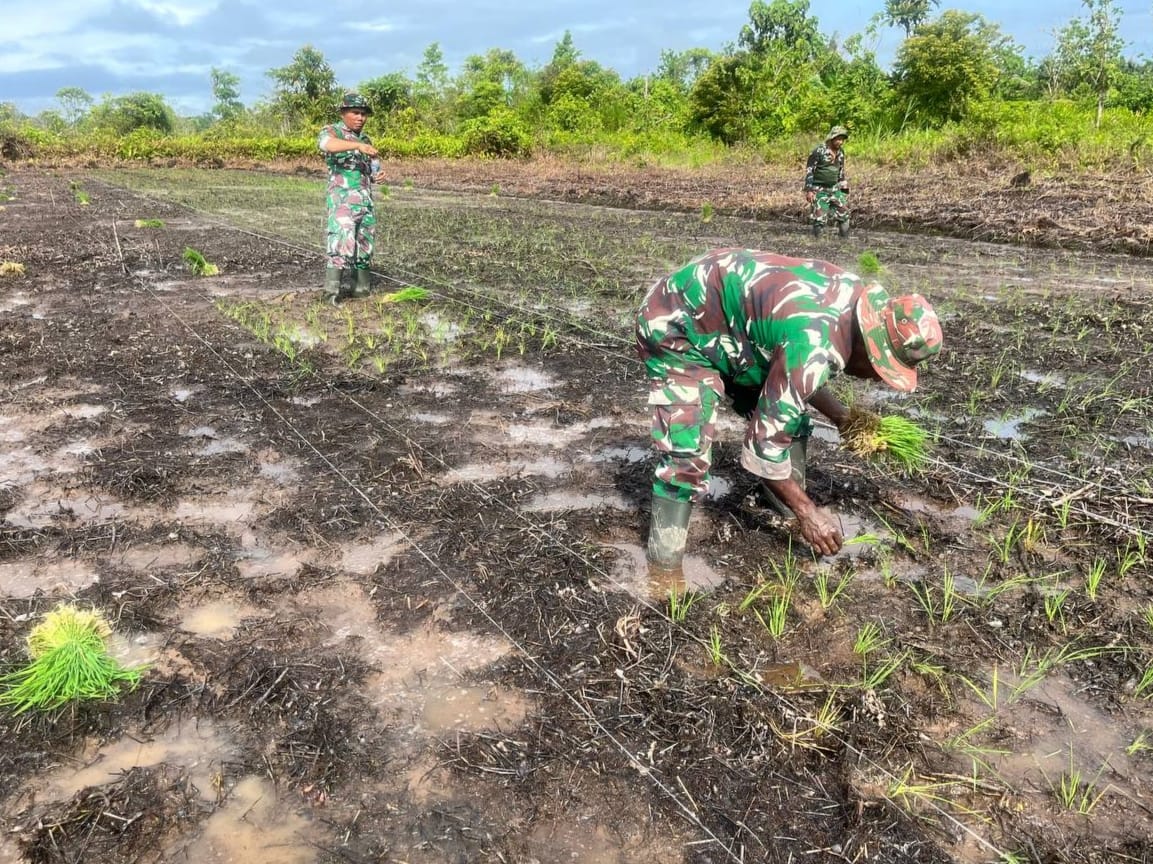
[821,532]
[810,195]
[368,149]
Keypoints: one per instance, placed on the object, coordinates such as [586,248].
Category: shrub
[501,134]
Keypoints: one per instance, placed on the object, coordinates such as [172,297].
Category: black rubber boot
[843,229]
[798,459]
[362,287]
[332,284]
[817,230]
[668,532]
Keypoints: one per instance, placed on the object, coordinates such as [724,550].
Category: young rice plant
[197,263]
[893,437]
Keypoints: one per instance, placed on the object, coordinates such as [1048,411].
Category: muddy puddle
[42,507]
[362,559]
[483,472]
[523,379]
[424,684]
[200,747]
[566,499]
[217,619]
[23,579]
[490,429]
[1008,427]
[632,573]
[255,825]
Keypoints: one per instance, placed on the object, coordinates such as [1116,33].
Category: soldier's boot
[668,533]
[798,465]
[363,284]
[843,228]
[817,226]
[332,284]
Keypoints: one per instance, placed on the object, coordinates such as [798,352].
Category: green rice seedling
[893,437]
[909,791]
[828,594]
[1129,557]
[1074,792]
[1094,576]
[1149,616]
[680,604]
[870,638]
[149,223]
[706,213]
[875,678]
[1144,688]
[868,264]
[935,672]
[1141,744]
[716,650]
[754,593]
[197,263]
[70,663]
[408,183]
[1055,607]
[776,615]
[937,608]
[991,696]
[494,191]
[79,194]
[888,574]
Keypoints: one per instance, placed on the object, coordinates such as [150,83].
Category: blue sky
[169,46]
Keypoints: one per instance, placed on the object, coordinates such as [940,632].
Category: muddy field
[385,561]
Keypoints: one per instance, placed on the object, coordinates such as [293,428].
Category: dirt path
[392,593]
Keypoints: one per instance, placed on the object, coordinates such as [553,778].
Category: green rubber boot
[332,284]
[798,458]
[363,284]
[668,532]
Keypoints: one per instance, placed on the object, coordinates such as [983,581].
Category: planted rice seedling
[870,638]
[827,593]
[197,263]
[1074,792]
[70,663]
[706,213]
[891,436]
[680,604]
[868,264]
[149,223]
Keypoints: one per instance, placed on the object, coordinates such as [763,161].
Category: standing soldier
[352,168]
[826,188]
[767,332]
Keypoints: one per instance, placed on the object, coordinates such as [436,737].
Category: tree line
[781,76]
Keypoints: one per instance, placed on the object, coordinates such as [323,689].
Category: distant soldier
[826,188]
[766,332]
[352,168]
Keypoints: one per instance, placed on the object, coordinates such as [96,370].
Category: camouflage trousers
[684,397]
[351,222]
[829,204]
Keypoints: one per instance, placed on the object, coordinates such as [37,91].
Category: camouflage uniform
[349,201]
[825,176]
[731,321]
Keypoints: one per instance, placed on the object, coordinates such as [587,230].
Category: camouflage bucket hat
[899,333]
[354,101]
[837,132]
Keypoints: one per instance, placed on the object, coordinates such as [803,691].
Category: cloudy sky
[169,46]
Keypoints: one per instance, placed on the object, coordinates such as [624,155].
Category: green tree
[907,14]
[946,64]
[387,93]
[782,24]
[226,92]
[304,91]
[496,79]
[432,74]
[124,114]
[1088,54]
[75,103]
[683,68]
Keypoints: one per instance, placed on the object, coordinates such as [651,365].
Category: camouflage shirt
[825,169]
[782,324]
[350,169]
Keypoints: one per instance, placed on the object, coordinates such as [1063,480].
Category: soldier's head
[837,137]
[354,110]
[898,333]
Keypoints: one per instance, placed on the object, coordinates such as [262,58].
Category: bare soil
[401,614]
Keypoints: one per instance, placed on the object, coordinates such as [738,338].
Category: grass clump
[149,223]
[11,268]
[198,264]
[70,663]
[892,437]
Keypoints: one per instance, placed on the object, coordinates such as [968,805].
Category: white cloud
[33,21]
[380,25]
[183,12]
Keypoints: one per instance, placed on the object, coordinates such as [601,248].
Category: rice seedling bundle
[149,223]
[198,264]
[892,437]
[11,268]
[70,663]
[405,295]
